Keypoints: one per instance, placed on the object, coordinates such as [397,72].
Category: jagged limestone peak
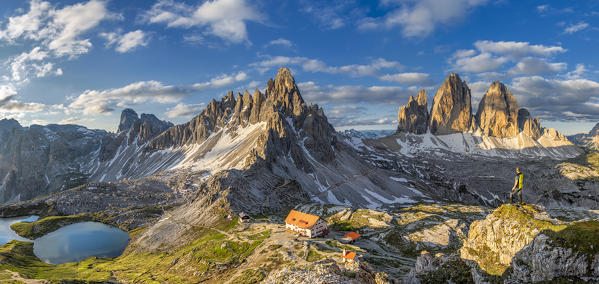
[497,113]
[128,117]
[284,93]
[452,108]
[413,117]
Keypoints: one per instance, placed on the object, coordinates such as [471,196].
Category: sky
[83,62]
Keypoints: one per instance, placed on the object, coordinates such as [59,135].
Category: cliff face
[38,160]
[571,253]
[497,113]
[132,130]
[452,109]
[494,241]
[528,125]
[413,117]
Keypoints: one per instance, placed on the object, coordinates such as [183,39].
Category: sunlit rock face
[413,117]
[497,113]
[452,109]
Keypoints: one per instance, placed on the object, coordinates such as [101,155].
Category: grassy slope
[211,252]
[46,225]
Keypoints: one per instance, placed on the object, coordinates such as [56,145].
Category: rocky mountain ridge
[498,114]
[589,140]
[38,160]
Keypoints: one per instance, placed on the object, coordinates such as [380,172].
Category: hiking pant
[517,191]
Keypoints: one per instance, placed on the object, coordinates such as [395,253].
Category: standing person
[517,189]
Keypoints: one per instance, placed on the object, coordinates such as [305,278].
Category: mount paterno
[499,128]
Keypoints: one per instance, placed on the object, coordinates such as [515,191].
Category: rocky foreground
[418,244]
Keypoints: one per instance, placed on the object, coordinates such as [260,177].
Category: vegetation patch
[582,237]
[34,230]
[314,256]
[211,254]
[453,271]
[18,256]
[250,276]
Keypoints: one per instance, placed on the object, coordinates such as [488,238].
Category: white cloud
[329,15]
[99,102]
[531,65]
[419,18]
[39,122]
[281,42]
[9,105]
[516,49]
[479,63]
[576,27]
[53,34]
[69,23]
[71,120]
[14,106]
[550,98]
[27,24]
[490,57]
[222,18]
[185,110]
[315,65]
[352,94]
[577,73]
[7,92]
[127,42]
[352,115]
[408,78]
[542,8]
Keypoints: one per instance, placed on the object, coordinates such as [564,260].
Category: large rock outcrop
[497,113]
[452,109]
[413,117]
[494,241]
[572,253]
[528,125]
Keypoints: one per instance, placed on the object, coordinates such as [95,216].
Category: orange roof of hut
[352,235]
[349,255]
[301,219]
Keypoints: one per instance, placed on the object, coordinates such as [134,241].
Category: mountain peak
[284,93]
[413,117]
[497,113]
[452,109]
[128,117]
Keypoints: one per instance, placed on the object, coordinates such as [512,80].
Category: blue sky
[82,62]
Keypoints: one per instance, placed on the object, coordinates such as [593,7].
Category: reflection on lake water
[79,241]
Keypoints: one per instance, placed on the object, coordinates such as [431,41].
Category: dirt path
[15,276]
[278,236]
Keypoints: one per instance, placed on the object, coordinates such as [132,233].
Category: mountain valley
[428,199]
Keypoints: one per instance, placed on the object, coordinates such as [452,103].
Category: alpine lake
[70,243]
